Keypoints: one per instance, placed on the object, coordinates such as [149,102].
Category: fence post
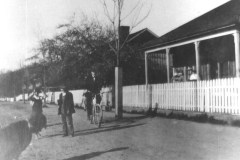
[149,96]
[196,95]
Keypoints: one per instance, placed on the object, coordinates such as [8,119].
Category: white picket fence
[21,97]
[220,95]
[135,96]
[52,97]
[107,96]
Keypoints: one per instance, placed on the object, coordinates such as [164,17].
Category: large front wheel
[97,115]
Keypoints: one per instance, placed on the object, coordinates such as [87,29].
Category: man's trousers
[67,124]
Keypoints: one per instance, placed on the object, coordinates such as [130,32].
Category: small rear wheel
[97,115]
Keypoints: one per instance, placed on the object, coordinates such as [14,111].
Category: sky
[25,22]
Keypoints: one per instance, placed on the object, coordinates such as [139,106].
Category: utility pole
[116,20]
[118,72]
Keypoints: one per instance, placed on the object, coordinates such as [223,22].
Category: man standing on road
[66,109]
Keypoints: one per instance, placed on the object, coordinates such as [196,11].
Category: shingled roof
[136,34]
[221,18]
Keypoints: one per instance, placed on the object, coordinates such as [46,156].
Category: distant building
[133,68]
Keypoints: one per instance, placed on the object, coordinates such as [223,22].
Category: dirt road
[135,137]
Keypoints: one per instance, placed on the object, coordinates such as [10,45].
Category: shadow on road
[124,119]
[97,130]
[55,124]
[111,123]
[95,154]
[52,135]
[105,129]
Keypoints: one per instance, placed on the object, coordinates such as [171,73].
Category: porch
[214,57]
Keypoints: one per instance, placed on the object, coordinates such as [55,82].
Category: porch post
[197,51]
[148,92]
[237,51]
[168,64]
[146,69]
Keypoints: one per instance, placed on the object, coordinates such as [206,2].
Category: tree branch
[132,10]
[143,18]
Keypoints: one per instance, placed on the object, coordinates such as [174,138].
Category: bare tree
[114,11]
[116,17]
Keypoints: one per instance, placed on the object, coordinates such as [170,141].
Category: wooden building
[208,44]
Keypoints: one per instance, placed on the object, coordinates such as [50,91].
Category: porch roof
[224,17]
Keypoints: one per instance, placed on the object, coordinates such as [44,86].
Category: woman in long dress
[37,119]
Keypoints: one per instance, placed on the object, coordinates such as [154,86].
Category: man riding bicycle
[93,87]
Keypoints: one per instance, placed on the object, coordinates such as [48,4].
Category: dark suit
[66,105]
[94,86]
[66,109]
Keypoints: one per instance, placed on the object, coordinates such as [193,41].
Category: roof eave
[193,36]
[144,30]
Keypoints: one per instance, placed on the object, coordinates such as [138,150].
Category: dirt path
[134,137]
